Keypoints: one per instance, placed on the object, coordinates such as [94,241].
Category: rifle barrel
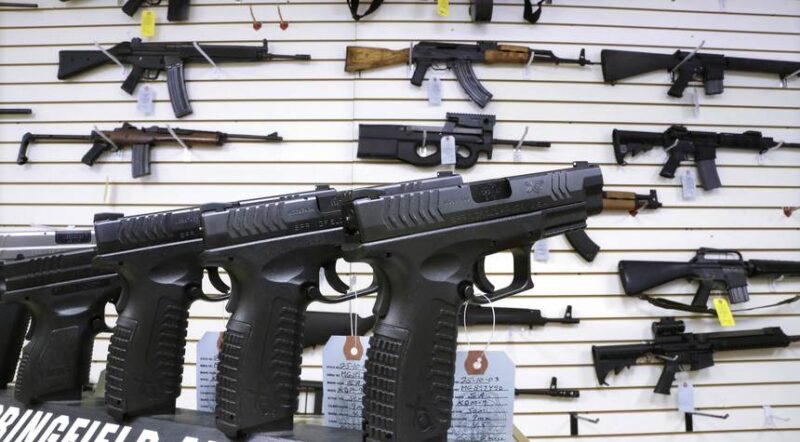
[18,5]
[271,137]
[524,143]
[16,111]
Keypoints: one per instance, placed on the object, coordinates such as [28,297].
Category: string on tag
[112,58]
[187,154]
[491,335]
[695,102]
[215,69]
[518,147]
[106,191]
[352,289]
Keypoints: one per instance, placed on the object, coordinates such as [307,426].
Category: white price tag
[207,357]
[695,103]
[541,250]
[448,149]
[145,100]
[434,91]
[685,393]
[343,371]
[688,185]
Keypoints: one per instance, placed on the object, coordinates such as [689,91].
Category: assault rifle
[140,141]
[473,134]
[687,66]
[456,56]
[728,274]
[426,248]
[149,59]
[683,351]
[682,144]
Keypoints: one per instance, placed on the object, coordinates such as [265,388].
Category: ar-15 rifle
[683,351]
[726,274]
[424,247]
[474,133]
[682,144]
[14,318]
[612,200]
[140,141]
[149,59]
[456,56]
[686,66]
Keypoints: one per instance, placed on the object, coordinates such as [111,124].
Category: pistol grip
[419,73]
[667,377]
[671,166]
[680,83]
[259,366]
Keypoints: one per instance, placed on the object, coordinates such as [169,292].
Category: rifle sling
[529,14]
[373,6]
[673,305]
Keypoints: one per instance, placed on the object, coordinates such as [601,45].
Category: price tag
[443,7]
[435,91]
[724,313]
[541,250]
[207,357]
[695,103]
[145,100]
[148,23]
[483,397]
[685,393]
[343,371]
[688,185]
[448,149]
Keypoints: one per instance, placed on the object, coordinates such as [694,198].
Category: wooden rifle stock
[360,58]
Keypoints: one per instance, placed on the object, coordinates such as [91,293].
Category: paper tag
[688,185]
[541,250]
[448,149]
[722,5]
[695,103]
[343,381]
[207,357]
[434,91]
[769,416]
[443,7]
[685,393]
[724,313]
[148,23]
[483,398]
[145,100]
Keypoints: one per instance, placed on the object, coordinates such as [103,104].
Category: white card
[343,371]
[207,357]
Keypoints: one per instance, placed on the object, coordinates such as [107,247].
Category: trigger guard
[481,281]
[333,279]
[216,281]
[522,277]
[316,295]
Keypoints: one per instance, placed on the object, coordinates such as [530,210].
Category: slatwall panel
[316,106]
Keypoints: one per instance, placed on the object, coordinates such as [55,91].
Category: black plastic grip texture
[639,276]
[419,72]
[98,148]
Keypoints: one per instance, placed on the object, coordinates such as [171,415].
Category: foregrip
[259,367]
[410,365]
[774,267]
[145,358]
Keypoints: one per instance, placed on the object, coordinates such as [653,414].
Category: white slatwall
[316,106]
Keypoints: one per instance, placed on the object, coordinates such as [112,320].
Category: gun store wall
[290,123]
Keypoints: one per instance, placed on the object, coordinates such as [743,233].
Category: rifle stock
[639,276]
[619,65]
[71,63]
[360,58]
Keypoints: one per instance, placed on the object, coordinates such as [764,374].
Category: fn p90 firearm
[141,141]
[470,134]
[456,56]
[686,66]
[427,249]
[149,59]
[680,351]
[682,144]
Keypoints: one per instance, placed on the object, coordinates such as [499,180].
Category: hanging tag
[527,72]
[769,416]
[695,102]
[207,357]
[448,149]
[688,185]
[443,7]
[145,100]
[343,370]
[148,26]
[541,250]
[483,396]
[685,393]
[107,191]
[518,147]
[434,91]
[724,313]
[722,5]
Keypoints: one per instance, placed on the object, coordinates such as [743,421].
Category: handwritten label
[483,404]
[148,23]
[724,313]
[207,357]
[447,147]
[343,381]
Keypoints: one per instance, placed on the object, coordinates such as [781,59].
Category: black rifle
[726,274]
[177,10]
[425,248]
[149,59]
[612,201]
[14,318]
[683,351]
[140,141]
[706,68]
[320,326]
[553,391]
[472,133]
[682,144]
[456,56]
[66,298]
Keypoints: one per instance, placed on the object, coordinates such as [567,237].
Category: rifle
[14,318]
[682,144]
[472,133]
[177,10]
[425,248]
[726,274]
[320,326]
[66,298]
[140,141]
[612,200]
[456,56]
[687,66]
[149,59]
[553,391]
[683,351]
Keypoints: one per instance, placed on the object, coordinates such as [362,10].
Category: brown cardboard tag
[353,350]
[476,362]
